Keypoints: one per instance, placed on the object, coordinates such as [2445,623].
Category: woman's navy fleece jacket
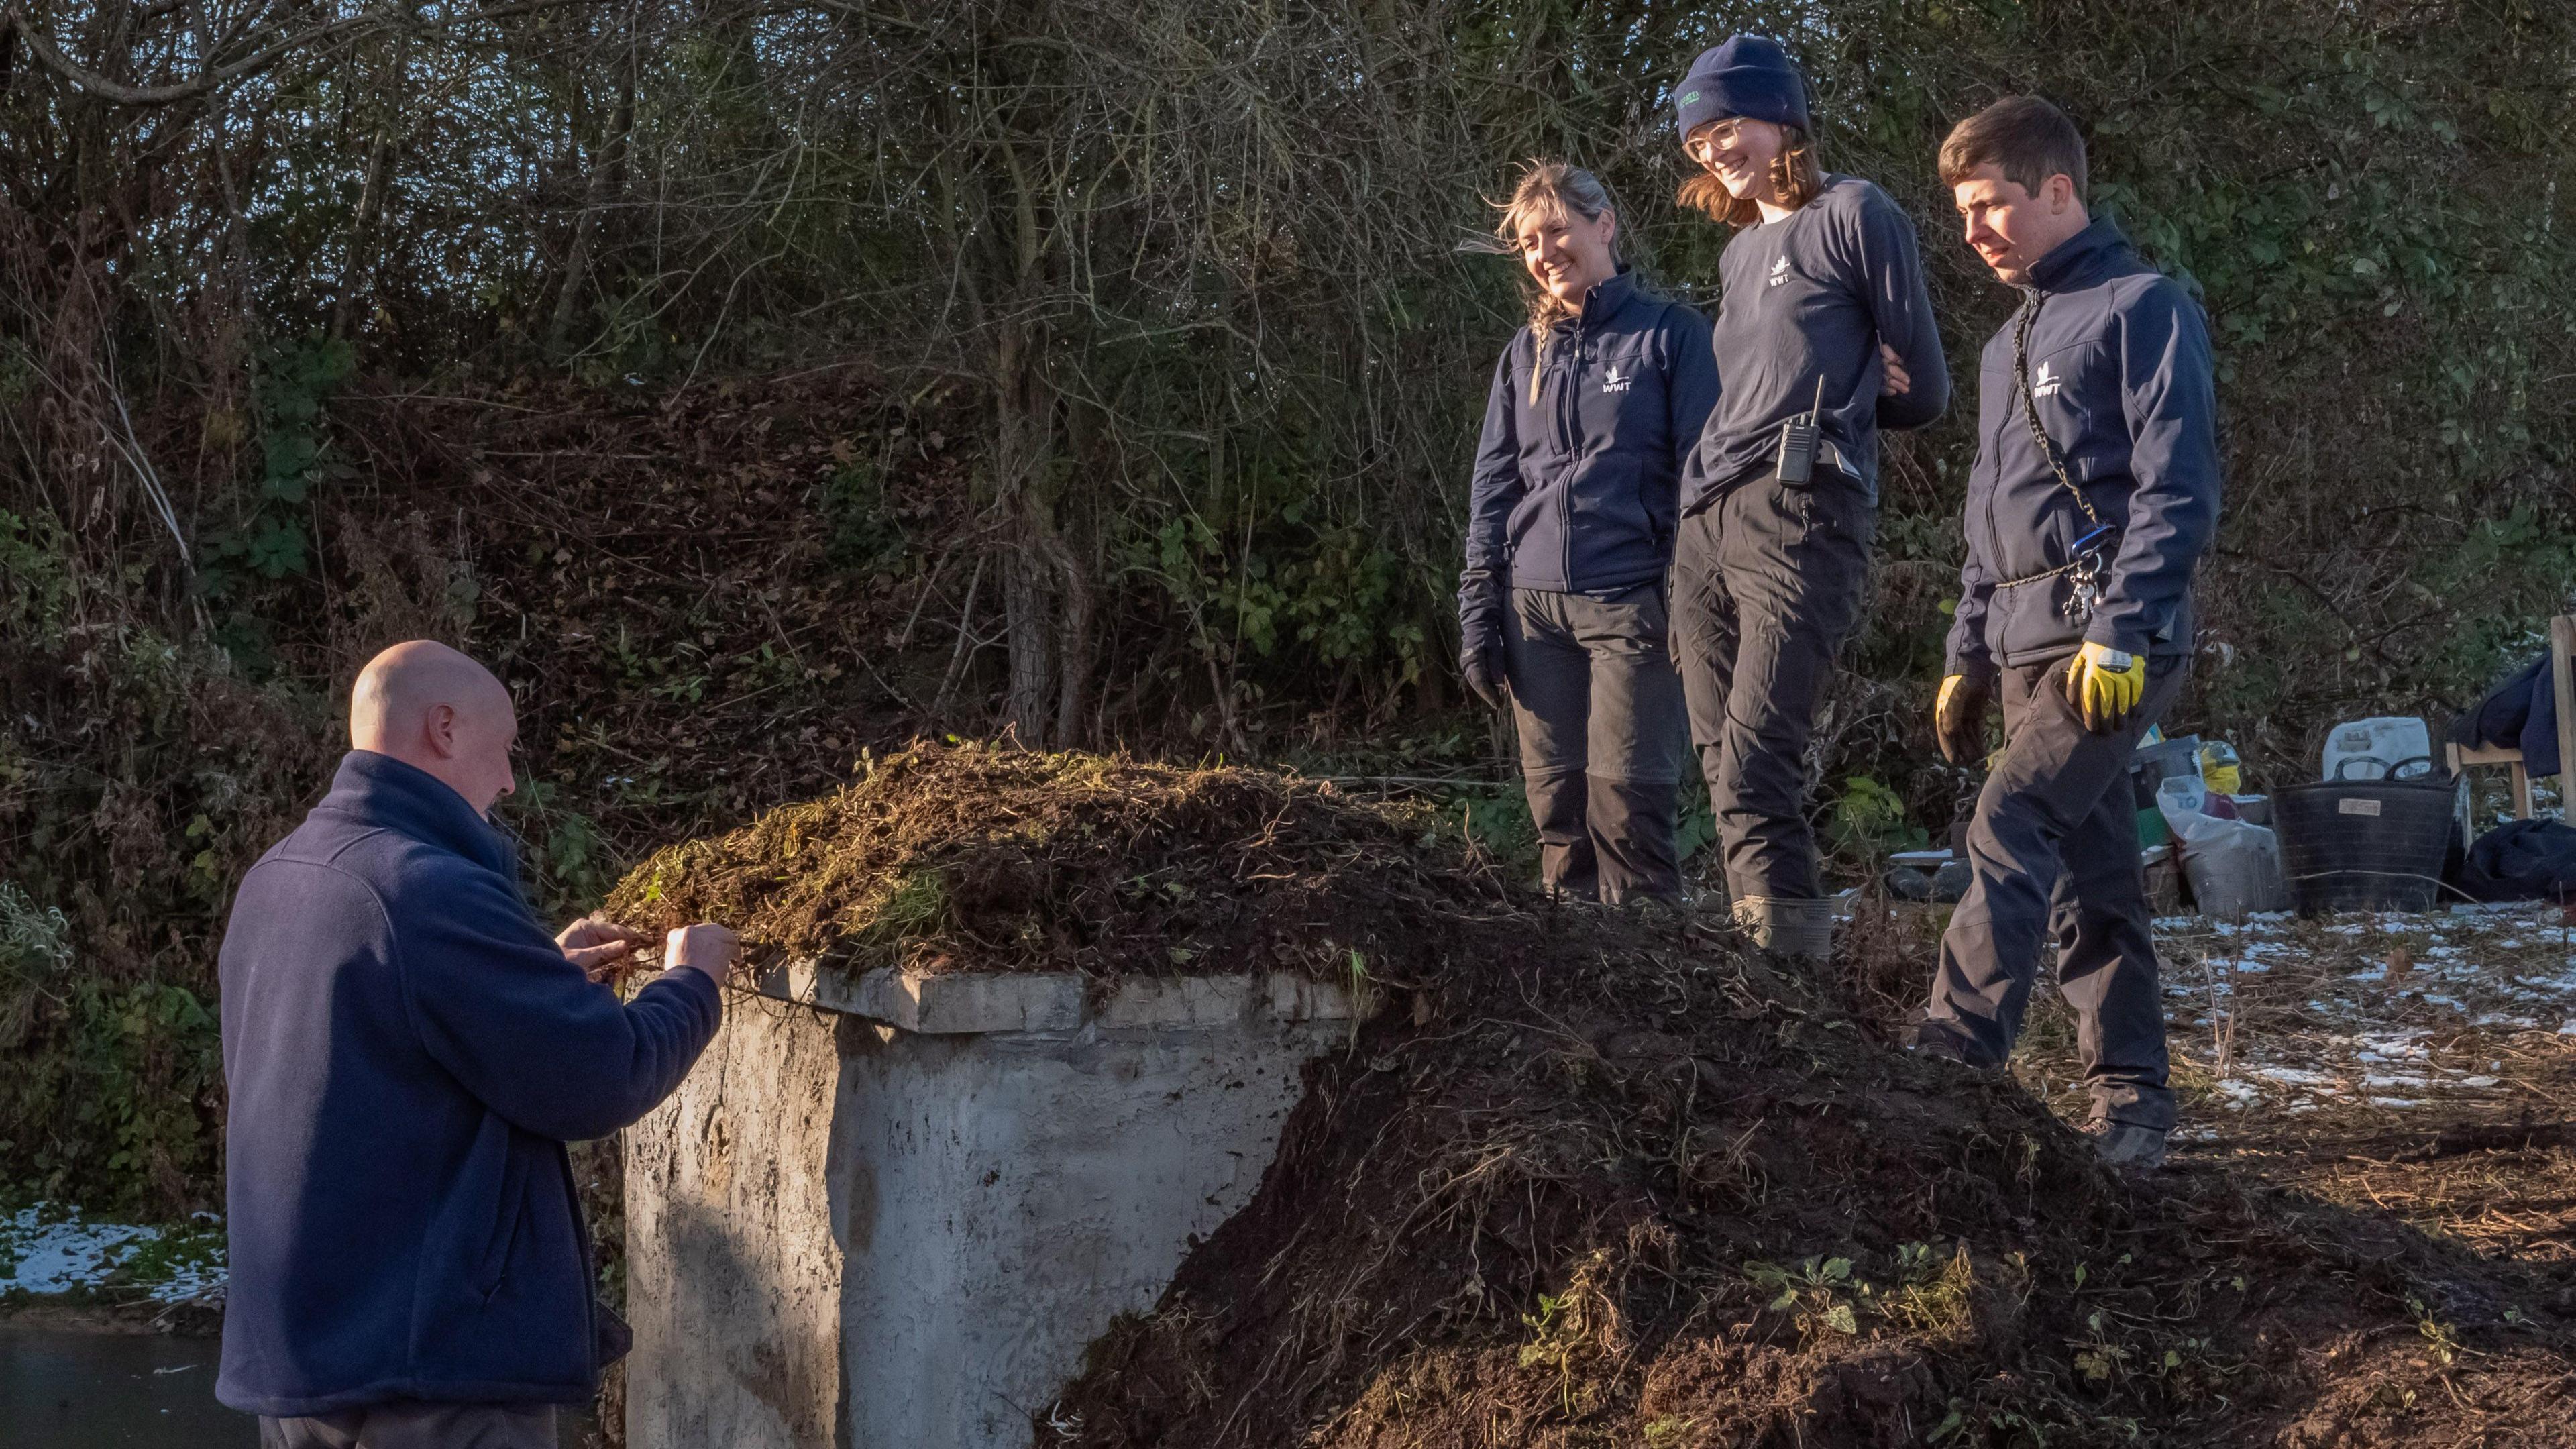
[1577,484]
[407,1051]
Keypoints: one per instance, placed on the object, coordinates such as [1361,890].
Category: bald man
[407,1052]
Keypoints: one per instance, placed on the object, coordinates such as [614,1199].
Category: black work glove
[1959,718]
[1480,633]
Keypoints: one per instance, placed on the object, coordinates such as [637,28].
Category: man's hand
[2104,684]
[1898,383]
[596,944]
[1959,720]
[703,947]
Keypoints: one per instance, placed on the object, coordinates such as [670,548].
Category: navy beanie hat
[1749,76]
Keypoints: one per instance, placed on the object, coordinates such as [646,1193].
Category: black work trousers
[2053,850]
[1600,716]
[1767,581]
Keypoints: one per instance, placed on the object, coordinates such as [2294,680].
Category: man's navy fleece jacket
[407,1052]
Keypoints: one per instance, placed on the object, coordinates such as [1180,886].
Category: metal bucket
[2364,845]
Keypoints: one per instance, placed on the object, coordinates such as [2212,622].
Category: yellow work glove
[1959,720]
[2104,685]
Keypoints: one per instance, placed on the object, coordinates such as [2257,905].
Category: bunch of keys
[2084,576]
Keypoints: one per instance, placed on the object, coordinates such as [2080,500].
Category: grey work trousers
[2053,849]
[1767,581]
[413,1424]
[1600,716]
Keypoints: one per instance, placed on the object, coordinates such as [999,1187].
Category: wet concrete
[70,1388]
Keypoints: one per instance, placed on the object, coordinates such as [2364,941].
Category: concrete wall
[891,1212]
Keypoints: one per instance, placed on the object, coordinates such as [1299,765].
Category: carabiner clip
[2089,542]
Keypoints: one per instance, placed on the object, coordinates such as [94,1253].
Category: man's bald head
[436,710]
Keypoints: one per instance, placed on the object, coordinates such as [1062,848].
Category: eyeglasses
[1714,137]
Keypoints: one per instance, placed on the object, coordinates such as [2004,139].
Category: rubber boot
[1802,930]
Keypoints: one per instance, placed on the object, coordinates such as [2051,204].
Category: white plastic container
[2389,748]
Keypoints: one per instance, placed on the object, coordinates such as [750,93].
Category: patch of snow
[69,1252]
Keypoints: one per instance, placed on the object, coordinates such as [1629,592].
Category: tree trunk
[357,279]
[1023,458]
[607,172]
[1073,649]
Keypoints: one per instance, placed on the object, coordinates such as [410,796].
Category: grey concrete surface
[890,1212]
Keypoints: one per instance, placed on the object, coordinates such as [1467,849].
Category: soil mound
[1602,1178]
[968,858]
[1604,1181]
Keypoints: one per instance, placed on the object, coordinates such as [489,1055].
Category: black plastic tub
[2364,845]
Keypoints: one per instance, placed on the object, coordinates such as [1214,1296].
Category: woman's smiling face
[1739,153]
[1567,254]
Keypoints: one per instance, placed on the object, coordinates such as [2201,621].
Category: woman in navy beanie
[1823,320]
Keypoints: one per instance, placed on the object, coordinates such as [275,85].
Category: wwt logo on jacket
[1616,381]
[2045,382]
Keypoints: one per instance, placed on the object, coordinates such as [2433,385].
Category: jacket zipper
[1569,436]
[1994,535]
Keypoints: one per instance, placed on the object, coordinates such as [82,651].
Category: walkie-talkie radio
[1798,442]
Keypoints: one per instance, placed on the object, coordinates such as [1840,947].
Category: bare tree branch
[17,21]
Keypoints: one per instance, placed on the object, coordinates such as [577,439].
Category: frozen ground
[48,1250]
[2455,1011]
[2418,1064]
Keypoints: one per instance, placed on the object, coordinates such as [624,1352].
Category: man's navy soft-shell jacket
[407,1051]
[2120,372]
[1577,483]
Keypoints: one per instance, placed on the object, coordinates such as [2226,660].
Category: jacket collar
[1601,302]
[2083,258]
[1607,297]
[383,791]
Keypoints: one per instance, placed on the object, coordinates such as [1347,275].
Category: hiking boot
[1934,1042]
[2126,1144]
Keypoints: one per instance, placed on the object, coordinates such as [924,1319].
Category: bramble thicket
[756,383]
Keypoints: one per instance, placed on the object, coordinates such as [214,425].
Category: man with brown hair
[2094,494]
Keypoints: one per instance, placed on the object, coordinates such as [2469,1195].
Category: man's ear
[2061,193]
[439,728]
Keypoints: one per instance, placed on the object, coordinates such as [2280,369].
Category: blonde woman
[1596,406]
[1827,335]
